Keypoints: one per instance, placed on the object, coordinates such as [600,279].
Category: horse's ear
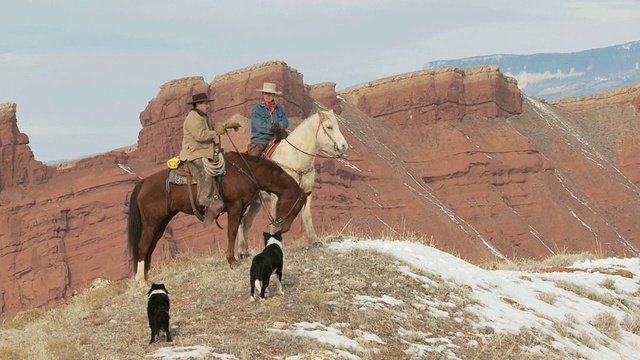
[322,115]
[308,193]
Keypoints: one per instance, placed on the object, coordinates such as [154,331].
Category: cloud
[73,62]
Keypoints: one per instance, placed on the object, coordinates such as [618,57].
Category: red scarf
[271,105]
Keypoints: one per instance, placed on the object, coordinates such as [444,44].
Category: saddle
[271,147]
[182,174]
[179,176]
[178,172]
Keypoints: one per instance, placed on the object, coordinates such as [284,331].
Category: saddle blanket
[178,178]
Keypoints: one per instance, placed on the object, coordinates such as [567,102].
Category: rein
[279,220]
[272,220]
[252,178]
[301,173]
[335,144]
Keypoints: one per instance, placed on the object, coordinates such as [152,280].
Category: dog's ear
[278,235]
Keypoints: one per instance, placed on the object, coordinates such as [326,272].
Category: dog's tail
[134,225]
[258,285]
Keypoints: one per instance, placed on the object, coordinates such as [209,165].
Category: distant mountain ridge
[557,75]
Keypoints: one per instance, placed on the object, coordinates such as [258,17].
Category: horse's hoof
[317,244]
[233,263]
[244,256]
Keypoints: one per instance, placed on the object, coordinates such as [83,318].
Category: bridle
[335,143]
[301,173]
[278,221]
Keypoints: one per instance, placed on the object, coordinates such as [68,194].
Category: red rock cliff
[448,94]
[18,164]
[456,157]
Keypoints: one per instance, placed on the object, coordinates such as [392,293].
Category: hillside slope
[355,299]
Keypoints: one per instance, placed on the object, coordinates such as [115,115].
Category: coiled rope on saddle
[215,167]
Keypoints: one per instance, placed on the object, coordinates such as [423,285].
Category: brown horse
[152,207]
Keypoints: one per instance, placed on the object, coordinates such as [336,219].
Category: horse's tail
[135,225]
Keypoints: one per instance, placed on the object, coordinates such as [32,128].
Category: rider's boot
[210,201]
[205,186]
[213,210]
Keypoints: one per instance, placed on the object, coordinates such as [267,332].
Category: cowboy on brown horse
[202,155]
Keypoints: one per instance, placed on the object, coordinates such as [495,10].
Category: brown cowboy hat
[198,98]
[269,88]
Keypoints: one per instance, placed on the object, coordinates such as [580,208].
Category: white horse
[296,155]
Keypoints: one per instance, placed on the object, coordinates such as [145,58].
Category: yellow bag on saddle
[173,163]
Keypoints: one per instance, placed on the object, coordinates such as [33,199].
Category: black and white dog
[158,311]
[266,263]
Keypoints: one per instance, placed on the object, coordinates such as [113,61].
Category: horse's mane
[306,121]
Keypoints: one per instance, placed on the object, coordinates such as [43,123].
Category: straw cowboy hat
[198,98]
[269,88]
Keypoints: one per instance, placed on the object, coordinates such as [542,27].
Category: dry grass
[62,349]
[547,297]
[210,306]
[631,323]
[12,353]
[607,324]
[23,318]
[587,293]
[609,284]
[559,260]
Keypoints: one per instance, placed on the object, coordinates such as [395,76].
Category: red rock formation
[425,97]
[325,94]
[452,156]
[614,128]
[18,164]
[629,94]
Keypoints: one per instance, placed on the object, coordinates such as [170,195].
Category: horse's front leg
[307,223]
[272,205]
[234,215]
[245,228]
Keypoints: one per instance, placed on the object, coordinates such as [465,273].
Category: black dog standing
[266,263]
[158,311]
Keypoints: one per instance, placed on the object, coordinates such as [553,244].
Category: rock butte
[458,157]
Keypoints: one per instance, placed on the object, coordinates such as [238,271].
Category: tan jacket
[197,138]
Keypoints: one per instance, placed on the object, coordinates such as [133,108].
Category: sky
[493,293]
[81,72]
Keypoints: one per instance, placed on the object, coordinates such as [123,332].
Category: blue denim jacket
[262,120]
